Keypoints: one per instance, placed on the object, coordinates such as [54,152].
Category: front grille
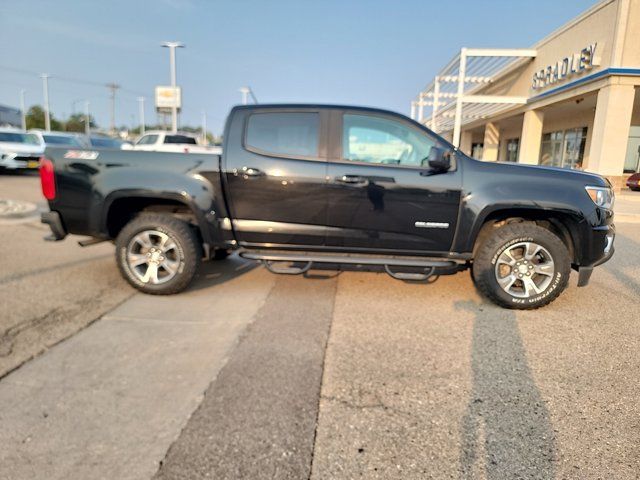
[27,158]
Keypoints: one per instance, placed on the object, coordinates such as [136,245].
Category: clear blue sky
[364,52]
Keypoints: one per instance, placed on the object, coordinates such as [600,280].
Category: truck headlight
[601,196]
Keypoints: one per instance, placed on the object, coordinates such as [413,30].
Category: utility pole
[172,61]
[245,94]
[87,119]
[113,87]
[246,91]
[204,127]
[141,110]
[22,109]
[45,88]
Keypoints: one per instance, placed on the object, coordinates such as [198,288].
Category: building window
[476,150]
[632,160]
[513,146]
[564,148]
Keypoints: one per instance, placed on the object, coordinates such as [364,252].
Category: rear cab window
[182,139]
[283,134]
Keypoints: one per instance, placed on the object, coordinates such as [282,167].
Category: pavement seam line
[124,318]
[58,342]
[324,362]
[223,365]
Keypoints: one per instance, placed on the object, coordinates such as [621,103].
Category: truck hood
[539,172]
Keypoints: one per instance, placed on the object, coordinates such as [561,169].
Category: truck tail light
[47,178]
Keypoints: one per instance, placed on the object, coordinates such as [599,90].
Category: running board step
[352,259]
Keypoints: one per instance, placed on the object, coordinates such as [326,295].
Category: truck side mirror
[439,159]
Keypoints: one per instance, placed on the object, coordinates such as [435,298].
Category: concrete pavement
[109,401]
[419,381]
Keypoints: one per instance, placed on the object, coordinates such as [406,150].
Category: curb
[16,209]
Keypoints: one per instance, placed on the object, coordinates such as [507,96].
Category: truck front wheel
[522,266]
[158,254]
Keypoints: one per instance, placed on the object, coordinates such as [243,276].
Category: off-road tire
[188,247]
[484,264]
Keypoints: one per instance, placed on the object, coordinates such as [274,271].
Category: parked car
[102,141]
[161,141]
[59,139]
[19,149]
[303,185]
[633,182]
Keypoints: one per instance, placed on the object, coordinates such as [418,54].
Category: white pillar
[466,140]
[610,136]
[420,107]
[436,103]
[491,140]
[531,137]
[462,72]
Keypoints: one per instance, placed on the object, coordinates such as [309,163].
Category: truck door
[275,171]
[381,194]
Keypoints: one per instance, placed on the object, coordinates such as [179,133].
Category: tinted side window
[291,134]
[180,139]
[371,139]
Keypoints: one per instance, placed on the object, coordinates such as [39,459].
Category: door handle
[350,179]
[247,172]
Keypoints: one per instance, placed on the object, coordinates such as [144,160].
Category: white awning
[450,98]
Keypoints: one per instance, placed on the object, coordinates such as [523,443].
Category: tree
[75,123]
[35,119]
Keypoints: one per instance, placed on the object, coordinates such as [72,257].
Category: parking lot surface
[337,375]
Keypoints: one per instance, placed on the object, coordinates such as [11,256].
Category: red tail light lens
[47,178]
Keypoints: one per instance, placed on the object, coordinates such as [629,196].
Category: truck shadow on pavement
[214,272]
[506,431]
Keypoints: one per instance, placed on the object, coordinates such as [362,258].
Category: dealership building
[569,101]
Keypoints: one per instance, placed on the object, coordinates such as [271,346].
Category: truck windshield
[180,139]
[15,137]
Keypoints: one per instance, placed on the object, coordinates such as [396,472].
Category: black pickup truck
[304,185]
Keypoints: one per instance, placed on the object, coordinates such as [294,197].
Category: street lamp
[45,90]
[141,113]
[172,60]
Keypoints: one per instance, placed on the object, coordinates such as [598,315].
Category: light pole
[141,107]
[113,87]
[45,88]
[22,107]
[204,127]
[172,60]
[87,119]
[246,91]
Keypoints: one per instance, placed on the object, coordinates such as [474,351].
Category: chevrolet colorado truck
[299,186]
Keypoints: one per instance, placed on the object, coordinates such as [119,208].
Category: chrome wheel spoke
[170,266]
[137,259]
[530,287]
[507,282]
[544,269]
[152,274]
[507,258]
[144,239]
[531,250]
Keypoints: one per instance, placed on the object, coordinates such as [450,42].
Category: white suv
[19,149]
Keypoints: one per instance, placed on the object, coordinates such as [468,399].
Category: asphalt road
[338,375]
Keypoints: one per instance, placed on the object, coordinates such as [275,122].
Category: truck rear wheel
[158,254]
[522,266]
